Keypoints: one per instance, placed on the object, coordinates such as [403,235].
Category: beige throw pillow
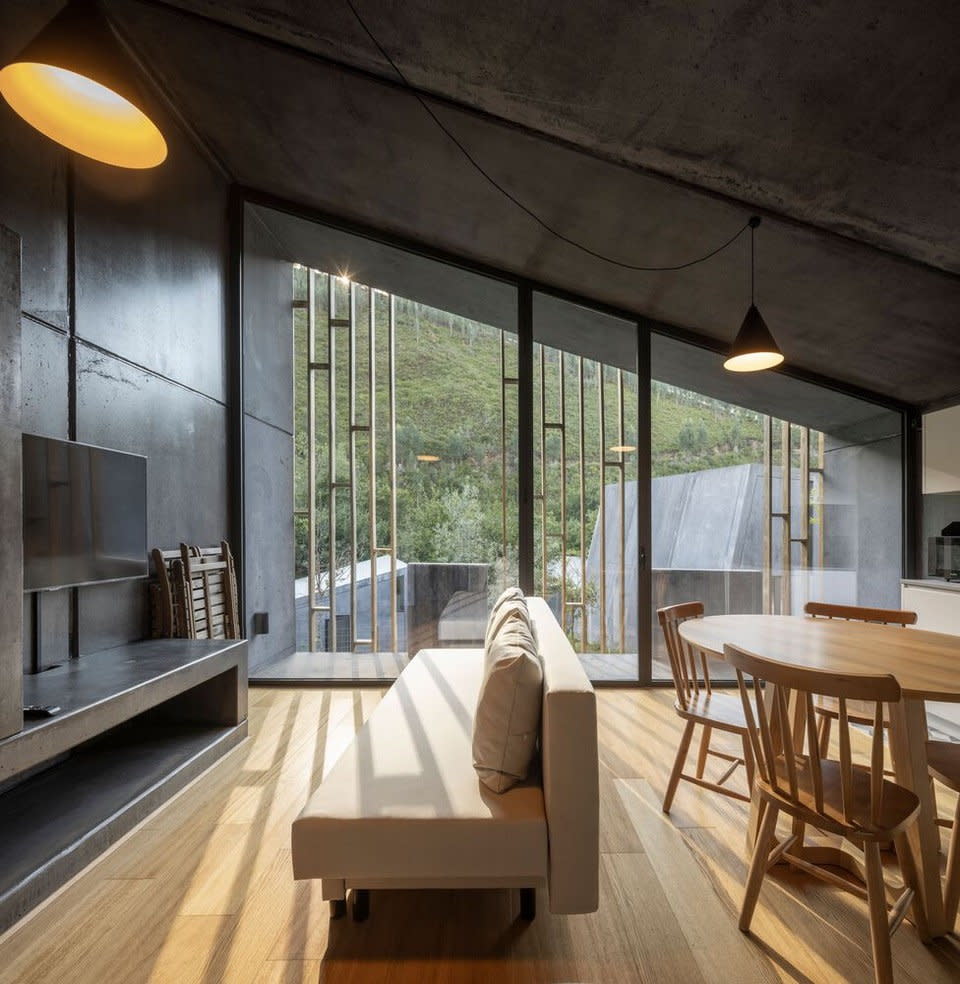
[508,596]
[500,616]
[510,604]
[506,725]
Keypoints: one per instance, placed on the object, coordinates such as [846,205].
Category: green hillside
[448,398]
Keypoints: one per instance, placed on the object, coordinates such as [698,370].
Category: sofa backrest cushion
[506,724]
[508,610]
[507,602]
[571,769]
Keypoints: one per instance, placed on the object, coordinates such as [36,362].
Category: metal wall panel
[267,328]
[33,182]
[268,440]
[147,268]
[46,384]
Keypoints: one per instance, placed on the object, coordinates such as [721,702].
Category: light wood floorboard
[202,891]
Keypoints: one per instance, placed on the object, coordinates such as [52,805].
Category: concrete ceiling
[646,130]
[844,114]
[570,327]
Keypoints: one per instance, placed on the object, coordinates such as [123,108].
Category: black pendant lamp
[754,348]
[76,84]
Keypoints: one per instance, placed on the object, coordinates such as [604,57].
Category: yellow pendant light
[75,83]
[754,347]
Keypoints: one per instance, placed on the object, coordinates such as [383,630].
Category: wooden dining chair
[697,704]
[836,797]
[943,761]
[826,709]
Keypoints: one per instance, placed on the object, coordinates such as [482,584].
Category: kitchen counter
[937,604]
[933,583]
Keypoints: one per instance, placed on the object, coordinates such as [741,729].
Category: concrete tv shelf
[137,723]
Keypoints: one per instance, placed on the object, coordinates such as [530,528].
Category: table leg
[908,740]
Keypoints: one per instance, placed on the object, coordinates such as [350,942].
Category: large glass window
[768,492]
[587,538]
[405,463]
[657,477]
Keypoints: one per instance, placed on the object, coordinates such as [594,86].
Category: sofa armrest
[571,770]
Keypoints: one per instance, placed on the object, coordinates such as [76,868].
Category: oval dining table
[927,666]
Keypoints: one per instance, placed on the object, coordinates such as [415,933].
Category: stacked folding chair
[194,593]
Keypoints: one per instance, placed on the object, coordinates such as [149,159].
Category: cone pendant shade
[754,348]
[75,84]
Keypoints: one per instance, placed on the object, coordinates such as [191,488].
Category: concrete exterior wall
[707,530]
[863,518]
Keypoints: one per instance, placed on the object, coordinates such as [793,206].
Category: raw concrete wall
[268,440]
[862,517]
[124,333]
[11,549]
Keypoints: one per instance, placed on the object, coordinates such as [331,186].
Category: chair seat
[721,711]
[898,807]
[858,711]
[943,760]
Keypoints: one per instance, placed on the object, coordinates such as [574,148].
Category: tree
[460,536]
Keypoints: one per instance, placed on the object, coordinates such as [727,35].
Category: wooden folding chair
[210,585]
[194,593]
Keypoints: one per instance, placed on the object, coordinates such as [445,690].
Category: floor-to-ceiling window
[768,492]
[586,467]
[657,477]
[405,387]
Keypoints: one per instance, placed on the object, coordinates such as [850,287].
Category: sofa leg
[338,908]
[528,904]
[361,904]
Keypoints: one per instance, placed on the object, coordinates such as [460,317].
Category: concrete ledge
[57,822]
[102,690]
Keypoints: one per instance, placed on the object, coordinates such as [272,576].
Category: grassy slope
[448,403]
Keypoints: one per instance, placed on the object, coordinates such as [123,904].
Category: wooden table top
[926,664]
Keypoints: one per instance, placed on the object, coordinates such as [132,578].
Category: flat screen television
[84,514]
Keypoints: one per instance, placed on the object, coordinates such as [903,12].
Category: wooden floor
[202,891]
[323,666]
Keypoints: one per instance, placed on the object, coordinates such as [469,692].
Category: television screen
[84,514]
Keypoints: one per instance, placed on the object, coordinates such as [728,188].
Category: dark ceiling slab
[337,141]
[844,114]
[570,327]
[314,134]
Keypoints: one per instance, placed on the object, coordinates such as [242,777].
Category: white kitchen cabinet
[941,451]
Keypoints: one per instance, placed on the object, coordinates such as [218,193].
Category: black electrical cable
[516,201]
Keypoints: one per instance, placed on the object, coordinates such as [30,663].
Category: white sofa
[403,807]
